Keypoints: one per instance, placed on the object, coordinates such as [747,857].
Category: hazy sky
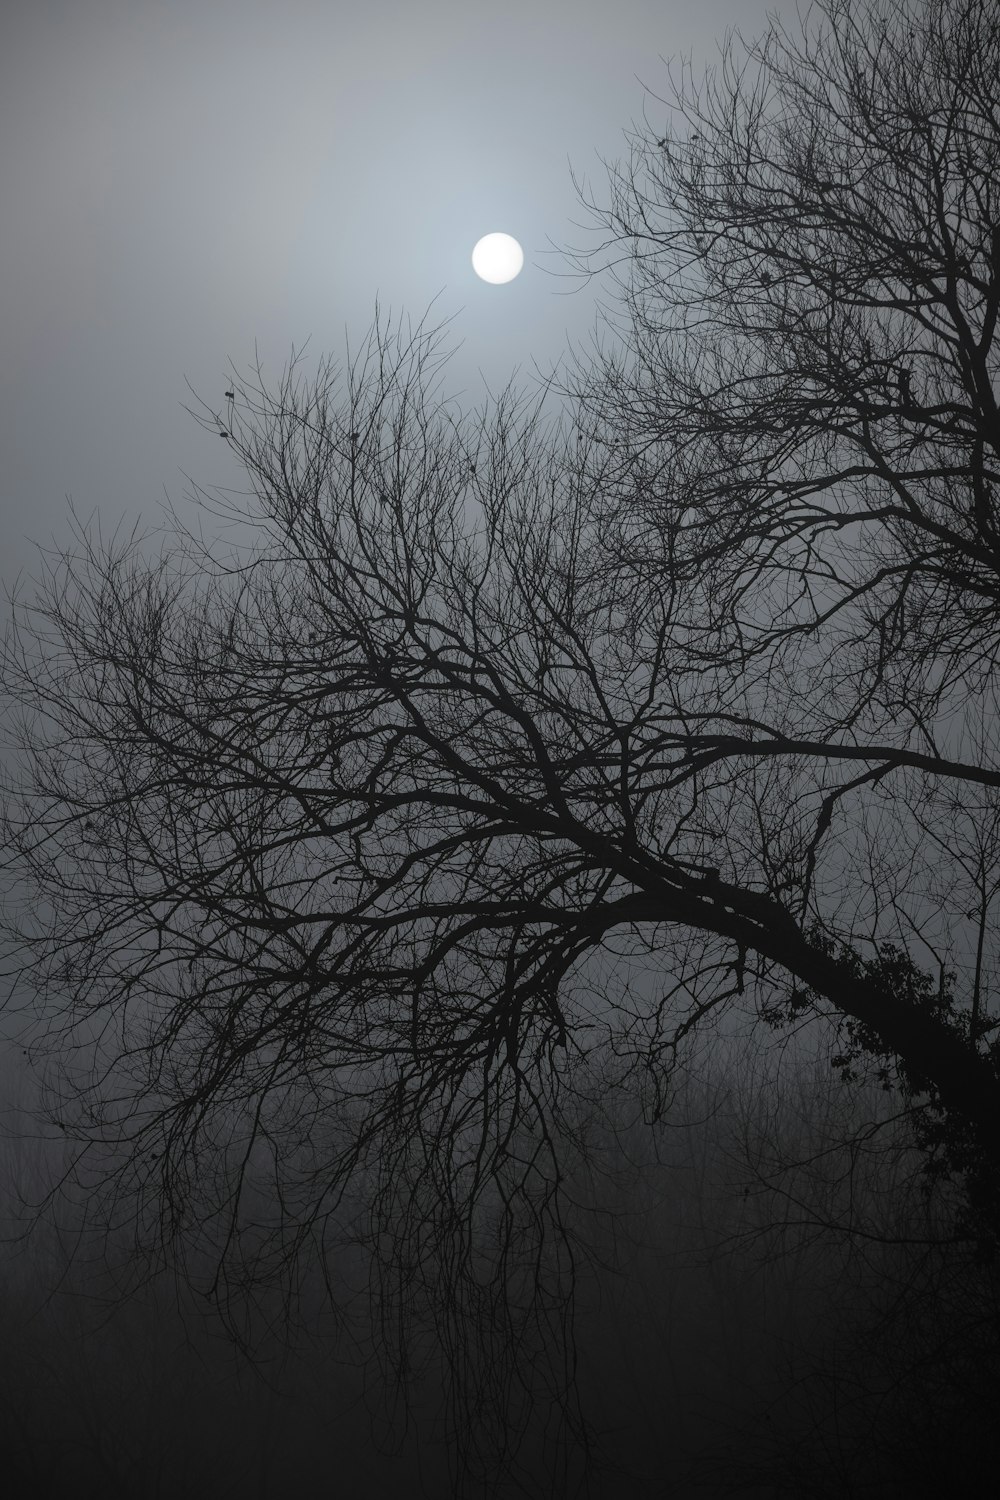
[180,178]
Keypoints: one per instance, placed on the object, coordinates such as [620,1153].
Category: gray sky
[180,178]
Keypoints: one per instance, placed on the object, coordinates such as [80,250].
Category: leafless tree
[798,416]
[376,856]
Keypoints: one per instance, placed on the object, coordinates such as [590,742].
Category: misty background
[183,184]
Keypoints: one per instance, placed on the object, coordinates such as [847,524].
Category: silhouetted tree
[508,753]
[800,417]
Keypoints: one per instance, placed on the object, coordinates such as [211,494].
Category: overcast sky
[182,178]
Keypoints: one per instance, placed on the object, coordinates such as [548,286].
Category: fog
[731,1338]
[756,1288]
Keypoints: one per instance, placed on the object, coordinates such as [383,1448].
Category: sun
[497,258]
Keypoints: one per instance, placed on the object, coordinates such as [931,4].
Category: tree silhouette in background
[372,858]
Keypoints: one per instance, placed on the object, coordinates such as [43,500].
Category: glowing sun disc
[497,258]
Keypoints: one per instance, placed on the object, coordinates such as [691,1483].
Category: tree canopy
[504,751]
